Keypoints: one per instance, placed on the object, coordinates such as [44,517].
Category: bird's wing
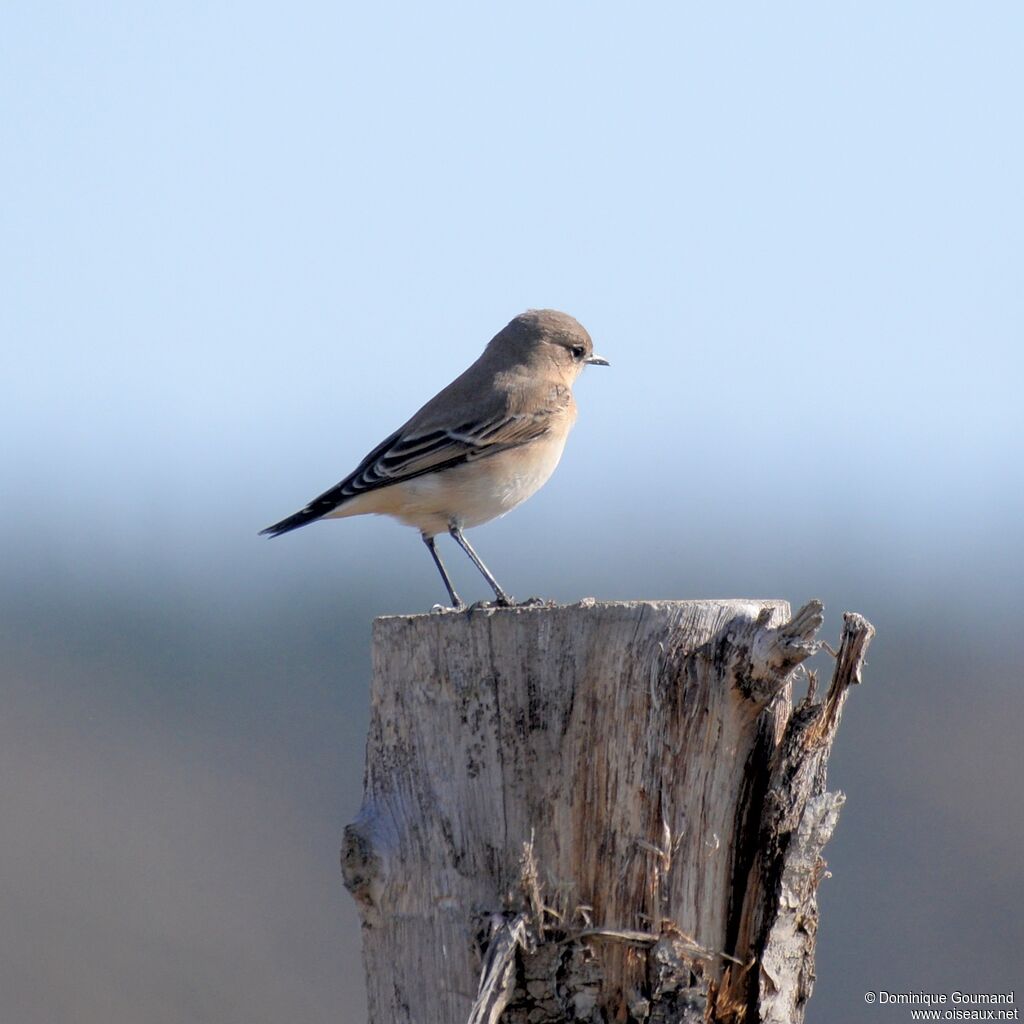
[409,453]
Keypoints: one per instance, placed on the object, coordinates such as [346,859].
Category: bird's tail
[307,515]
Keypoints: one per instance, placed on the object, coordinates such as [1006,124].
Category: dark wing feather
[403,457]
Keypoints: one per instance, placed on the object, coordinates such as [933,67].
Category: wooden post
[599,812]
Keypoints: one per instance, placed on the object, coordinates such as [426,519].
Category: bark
[600,812]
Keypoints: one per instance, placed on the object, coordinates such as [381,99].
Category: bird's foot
[489,606]
[440,609]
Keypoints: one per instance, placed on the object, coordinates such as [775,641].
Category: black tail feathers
[307,515]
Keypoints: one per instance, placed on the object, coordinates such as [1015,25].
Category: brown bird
[478,448]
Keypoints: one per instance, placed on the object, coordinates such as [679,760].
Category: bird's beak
[596,361]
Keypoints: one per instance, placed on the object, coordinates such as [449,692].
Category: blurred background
[242,243]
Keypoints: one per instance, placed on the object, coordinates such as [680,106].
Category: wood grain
[567,813]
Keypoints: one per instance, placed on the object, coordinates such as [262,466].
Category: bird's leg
[456,600]
[503,598]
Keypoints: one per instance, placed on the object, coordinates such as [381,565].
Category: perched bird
[478,448]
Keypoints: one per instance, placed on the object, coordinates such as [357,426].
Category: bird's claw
[489,606]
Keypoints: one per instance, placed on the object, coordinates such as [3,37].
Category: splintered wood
[593,813]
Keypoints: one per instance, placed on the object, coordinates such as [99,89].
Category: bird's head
[546,341]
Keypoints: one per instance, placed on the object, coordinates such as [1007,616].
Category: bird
[478,448]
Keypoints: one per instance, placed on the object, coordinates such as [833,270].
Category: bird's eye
[578,351]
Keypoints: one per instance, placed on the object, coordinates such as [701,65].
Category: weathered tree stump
[600,812]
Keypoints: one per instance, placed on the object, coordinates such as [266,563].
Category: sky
[239,244]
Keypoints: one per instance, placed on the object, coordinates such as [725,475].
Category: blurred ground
[178,767]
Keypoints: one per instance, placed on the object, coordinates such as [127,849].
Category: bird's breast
[522,472]
[468,494]
[472,492]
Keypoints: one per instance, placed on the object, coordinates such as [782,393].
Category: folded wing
[408,453]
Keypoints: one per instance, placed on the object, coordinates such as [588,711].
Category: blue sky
[243,244]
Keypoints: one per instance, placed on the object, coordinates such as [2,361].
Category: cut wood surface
[606,811]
